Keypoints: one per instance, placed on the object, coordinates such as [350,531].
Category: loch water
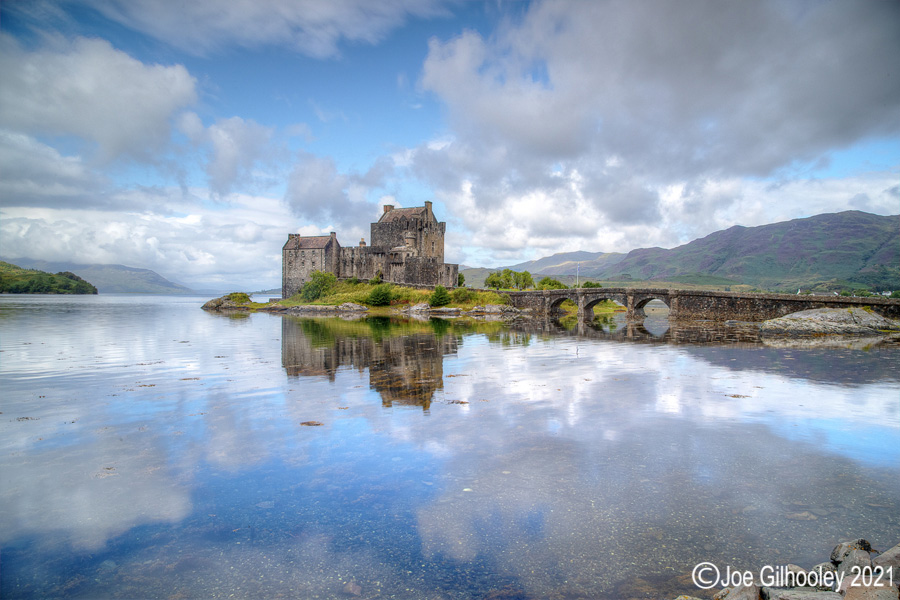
[150,449]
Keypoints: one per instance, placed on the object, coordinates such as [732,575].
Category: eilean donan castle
[407,248]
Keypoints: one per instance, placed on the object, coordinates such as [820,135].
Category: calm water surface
[152,450]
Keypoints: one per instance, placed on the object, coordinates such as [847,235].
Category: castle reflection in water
[405,364]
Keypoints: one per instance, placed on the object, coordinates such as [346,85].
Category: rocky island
[830,321]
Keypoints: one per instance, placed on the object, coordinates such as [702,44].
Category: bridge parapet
[696,304]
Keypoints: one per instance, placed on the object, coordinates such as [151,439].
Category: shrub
[318,285]
[440,297]
[460,280]
[377,279]
[461,295]
[591,284]
[895,294]
[380,295]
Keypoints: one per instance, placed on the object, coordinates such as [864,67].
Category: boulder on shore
[830,321]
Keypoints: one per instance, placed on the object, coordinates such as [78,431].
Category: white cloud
[183,239]
[590,114]
[318,192]
[236,146]
[88,89]
[38,175]
[308,26]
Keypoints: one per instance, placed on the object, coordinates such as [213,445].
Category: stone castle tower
[407,248]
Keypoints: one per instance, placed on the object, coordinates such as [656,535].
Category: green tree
[591,284]
[523,280]
[551,284]
[319,284]
[440,297]
[509,279]
[895,294]
[381,295]
[460,280]
[494,280]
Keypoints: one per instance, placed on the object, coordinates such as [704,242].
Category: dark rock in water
[351,588]
[842,550]
[829,321]
[108,566]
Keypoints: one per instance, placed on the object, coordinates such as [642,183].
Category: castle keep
[407,248]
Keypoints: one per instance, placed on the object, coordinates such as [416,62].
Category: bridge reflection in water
[405,359]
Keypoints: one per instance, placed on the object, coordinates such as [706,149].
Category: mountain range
[828,251]
[110,279]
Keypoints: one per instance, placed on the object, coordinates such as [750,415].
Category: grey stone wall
[297,264]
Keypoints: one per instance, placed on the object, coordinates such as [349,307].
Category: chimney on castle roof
[362,242]
[388,208]
[428,210]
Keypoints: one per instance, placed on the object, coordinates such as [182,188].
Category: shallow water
[152,450]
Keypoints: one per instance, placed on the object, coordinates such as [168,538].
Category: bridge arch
[641,300]
[592,299]
[557,301]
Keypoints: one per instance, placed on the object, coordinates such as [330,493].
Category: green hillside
[848,249]
[837,251]
[16,280]
[113,279]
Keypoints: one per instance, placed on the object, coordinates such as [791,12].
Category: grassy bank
[393,297]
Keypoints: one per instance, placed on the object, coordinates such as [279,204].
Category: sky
[191,137]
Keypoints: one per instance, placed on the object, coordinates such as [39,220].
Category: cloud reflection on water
[556,461]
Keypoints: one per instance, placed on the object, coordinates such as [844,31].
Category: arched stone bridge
[693,304]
